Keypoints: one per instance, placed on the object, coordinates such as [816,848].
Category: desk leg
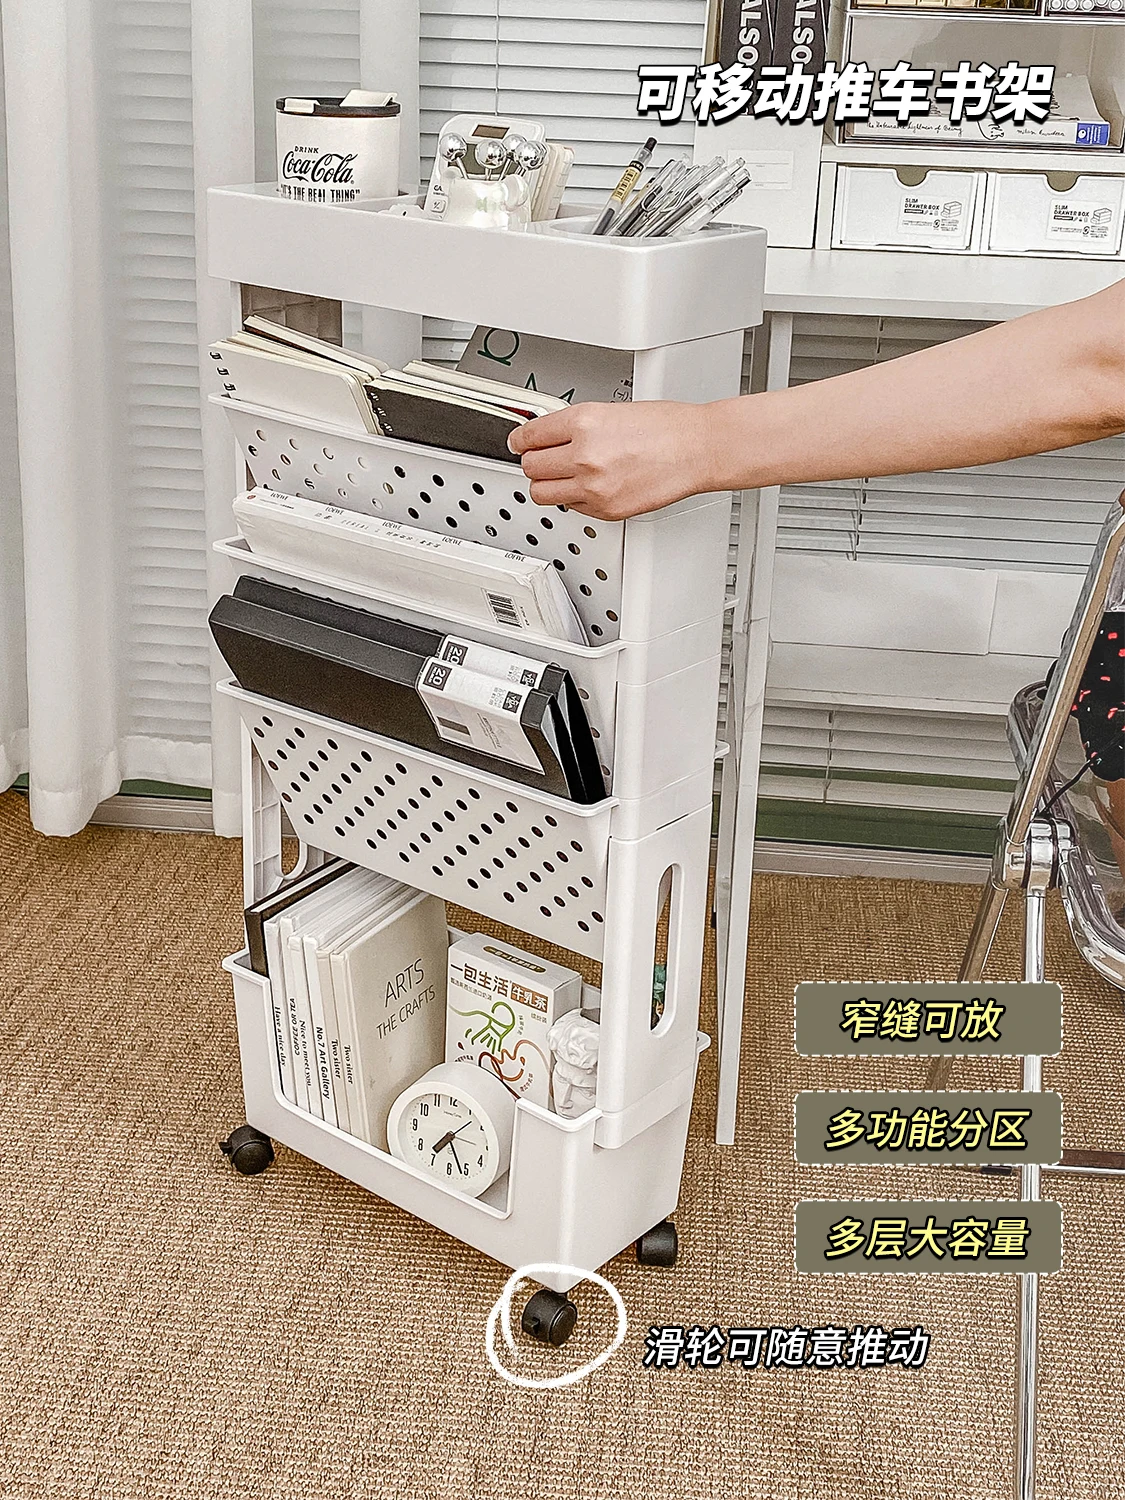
[757,539]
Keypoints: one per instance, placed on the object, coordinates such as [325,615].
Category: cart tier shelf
[553,279]
[644,578]
[498,847]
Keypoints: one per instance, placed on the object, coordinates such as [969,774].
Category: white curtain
[115,472]
[103,643]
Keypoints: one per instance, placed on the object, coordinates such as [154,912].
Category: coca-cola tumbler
[335,151]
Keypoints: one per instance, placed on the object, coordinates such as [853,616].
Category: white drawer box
[1026,215]
[906,208]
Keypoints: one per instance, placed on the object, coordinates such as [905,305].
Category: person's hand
[613,460]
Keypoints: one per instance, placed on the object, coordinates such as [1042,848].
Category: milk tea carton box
[501,1003]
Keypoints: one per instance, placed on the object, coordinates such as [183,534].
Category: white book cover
[537,401]
[293,340]
[297,1000]
[392,979]
[345,1051]
[287,925]
[322,392]
[573,372]
[419,568]
[316,940]
[284,1014]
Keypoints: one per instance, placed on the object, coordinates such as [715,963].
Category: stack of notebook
[424,570]
[357,971]
[268,365]
[495,710]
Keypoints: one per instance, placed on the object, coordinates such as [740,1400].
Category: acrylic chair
[1052,838]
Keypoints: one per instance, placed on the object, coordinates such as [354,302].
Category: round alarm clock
[455,1123]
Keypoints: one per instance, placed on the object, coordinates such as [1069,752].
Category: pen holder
[499,203]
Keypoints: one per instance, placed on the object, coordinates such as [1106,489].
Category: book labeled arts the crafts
[501,1004]
[358,971]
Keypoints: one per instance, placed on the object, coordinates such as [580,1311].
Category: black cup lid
[335,107]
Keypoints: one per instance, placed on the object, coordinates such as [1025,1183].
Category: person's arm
[1047,380]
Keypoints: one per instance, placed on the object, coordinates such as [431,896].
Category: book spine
[800,34]
[308,1094]
[341,1041]
[321,996]
[746,29]
[353,1069]
[321,1057]
[285,1034]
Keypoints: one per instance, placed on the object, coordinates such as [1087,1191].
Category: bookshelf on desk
[593,879]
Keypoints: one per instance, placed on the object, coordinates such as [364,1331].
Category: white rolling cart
[597,880]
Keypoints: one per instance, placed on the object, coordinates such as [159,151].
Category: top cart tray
[551,279]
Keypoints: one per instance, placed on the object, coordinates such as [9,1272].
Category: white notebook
[364,904]
[419,569]
[389,982]
[291,382]
[336,1054]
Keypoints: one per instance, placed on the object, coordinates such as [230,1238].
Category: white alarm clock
[455,1123]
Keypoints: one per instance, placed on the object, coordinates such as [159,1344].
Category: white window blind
[1040,513]
[300,47]
[572,65]
[146,76]
[954,763]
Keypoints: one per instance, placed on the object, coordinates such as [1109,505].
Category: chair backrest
[1103,585]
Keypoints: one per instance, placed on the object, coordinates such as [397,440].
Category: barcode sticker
[506,611]
[503,610]
[468,708]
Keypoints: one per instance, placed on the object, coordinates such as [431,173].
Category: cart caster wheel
[659,1245]
[250,1151]
[549,1317]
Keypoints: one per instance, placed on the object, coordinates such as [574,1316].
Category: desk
[855,282]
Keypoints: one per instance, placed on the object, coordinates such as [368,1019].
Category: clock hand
[456,1158]
[447,1139]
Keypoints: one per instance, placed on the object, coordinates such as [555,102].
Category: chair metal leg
[1034,938]
[989,911]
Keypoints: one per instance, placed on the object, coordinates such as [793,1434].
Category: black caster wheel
[659,1245]
[549,1317]
[250,1151]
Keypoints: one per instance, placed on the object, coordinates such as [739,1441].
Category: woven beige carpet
[169,1329]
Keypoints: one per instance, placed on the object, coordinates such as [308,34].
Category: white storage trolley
[593,879]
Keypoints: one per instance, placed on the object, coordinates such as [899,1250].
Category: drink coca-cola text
[325,166]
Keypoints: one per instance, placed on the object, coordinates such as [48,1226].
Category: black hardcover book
[280,900]
[800,34]
[746,34]
[577,750]
[416,415]
[356,677]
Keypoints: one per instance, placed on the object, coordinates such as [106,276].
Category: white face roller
[530,156]
[491,157]
[453,149]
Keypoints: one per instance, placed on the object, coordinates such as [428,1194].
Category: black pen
[629,179]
